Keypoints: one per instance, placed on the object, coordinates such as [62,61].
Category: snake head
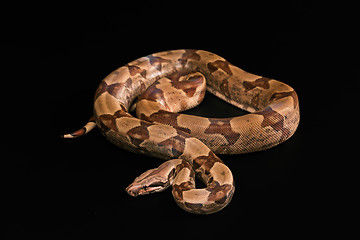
[145,187]
[149,182]
[154,180]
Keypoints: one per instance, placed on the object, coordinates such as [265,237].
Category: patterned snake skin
[168,82]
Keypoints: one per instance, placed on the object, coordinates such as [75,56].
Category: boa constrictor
[168,82]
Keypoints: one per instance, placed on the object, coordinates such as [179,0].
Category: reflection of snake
[176,81]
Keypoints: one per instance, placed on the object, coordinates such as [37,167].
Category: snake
[162,85]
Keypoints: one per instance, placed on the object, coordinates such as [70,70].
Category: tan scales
[175,81]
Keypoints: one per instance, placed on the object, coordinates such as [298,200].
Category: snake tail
[90,125]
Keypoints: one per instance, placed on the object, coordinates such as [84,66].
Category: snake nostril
[133,190]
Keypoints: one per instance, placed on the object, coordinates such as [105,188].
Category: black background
[55,56]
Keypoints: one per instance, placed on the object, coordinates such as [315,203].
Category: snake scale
[163,84]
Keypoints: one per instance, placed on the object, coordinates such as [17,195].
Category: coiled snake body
[168,82]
